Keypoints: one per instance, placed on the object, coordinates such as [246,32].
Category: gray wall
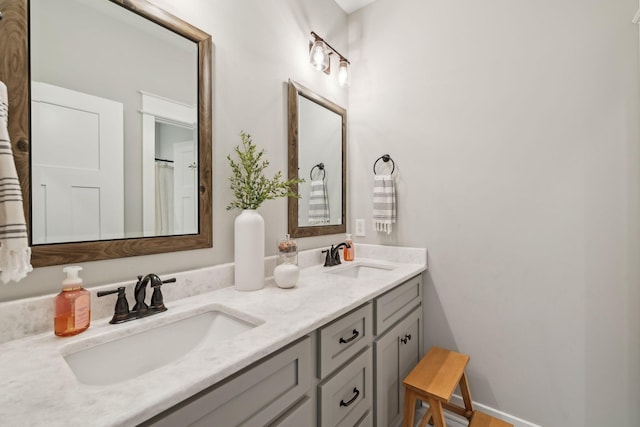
[514,127]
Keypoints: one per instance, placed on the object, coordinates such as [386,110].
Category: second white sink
[363,271]
[128,357]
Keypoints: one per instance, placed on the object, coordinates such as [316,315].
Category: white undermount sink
[363,271]
[128,357]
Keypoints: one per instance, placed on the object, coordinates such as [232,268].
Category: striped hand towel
[318,203]
[15,254]
[384,203]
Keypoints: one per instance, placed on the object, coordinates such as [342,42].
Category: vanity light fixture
[344,76]
[319,56]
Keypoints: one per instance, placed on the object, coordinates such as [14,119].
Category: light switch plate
[360,231]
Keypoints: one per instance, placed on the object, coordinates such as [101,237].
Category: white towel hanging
[318,203]
[384,203]
[15,254]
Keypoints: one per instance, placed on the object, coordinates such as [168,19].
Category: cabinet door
[395,354]
[250,399]
[300,415]
[410,350]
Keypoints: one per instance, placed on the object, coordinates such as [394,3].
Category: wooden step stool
[433,380]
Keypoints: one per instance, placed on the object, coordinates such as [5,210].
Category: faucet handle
[328,261]
[121,310]
[157,300]
[172,280]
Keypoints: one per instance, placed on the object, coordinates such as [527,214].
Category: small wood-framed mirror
[22,21]
[317,154]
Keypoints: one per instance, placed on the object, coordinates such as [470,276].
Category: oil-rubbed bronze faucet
[140,309]
[333,255]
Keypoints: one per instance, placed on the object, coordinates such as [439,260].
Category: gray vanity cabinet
[397,347]
[347,373]
[345,370]
[396,353]
[271,392]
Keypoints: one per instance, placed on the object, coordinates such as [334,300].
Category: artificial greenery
[249,184]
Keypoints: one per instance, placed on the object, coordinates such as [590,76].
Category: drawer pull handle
[351,338]
[353,399]
[406,338]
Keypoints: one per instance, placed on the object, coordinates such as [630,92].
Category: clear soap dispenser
[73,305]
[286,273]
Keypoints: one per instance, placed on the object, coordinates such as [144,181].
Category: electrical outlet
[360,231]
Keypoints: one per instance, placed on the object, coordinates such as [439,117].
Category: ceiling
[350,6]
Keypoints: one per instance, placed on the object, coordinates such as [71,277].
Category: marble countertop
[38,387]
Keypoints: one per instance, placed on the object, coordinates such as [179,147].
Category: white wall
[258,46]
[514,128]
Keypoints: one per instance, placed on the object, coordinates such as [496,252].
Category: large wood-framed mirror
[317,154]
[177,109]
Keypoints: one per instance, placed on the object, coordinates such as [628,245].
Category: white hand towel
[15,254]
[318,203]
[384,203]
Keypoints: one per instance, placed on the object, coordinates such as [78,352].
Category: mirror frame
[295,230]
[15,72]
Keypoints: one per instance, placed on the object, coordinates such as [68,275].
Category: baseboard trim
[459,421]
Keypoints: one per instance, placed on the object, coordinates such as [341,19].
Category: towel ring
[319,166]
[385,158]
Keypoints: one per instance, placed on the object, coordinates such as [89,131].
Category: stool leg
[438,414]
[409,408]
[426,418]
[466,396]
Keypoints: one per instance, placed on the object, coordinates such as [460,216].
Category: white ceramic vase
[249,251]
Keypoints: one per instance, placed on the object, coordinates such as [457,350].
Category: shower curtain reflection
[164,198]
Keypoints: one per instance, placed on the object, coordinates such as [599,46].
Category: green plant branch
[249,184]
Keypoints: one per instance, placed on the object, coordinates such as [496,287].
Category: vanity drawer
[395,304]
[343,338]
[345,398]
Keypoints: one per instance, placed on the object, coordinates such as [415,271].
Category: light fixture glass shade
[319,55]
[344,76]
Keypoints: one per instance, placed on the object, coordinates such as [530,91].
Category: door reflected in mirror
[175,190]
[317,154]
[169,167]
[77,166]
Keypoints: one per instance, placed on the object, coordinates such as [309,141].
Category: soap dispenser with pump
[73,305]
[349,251]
